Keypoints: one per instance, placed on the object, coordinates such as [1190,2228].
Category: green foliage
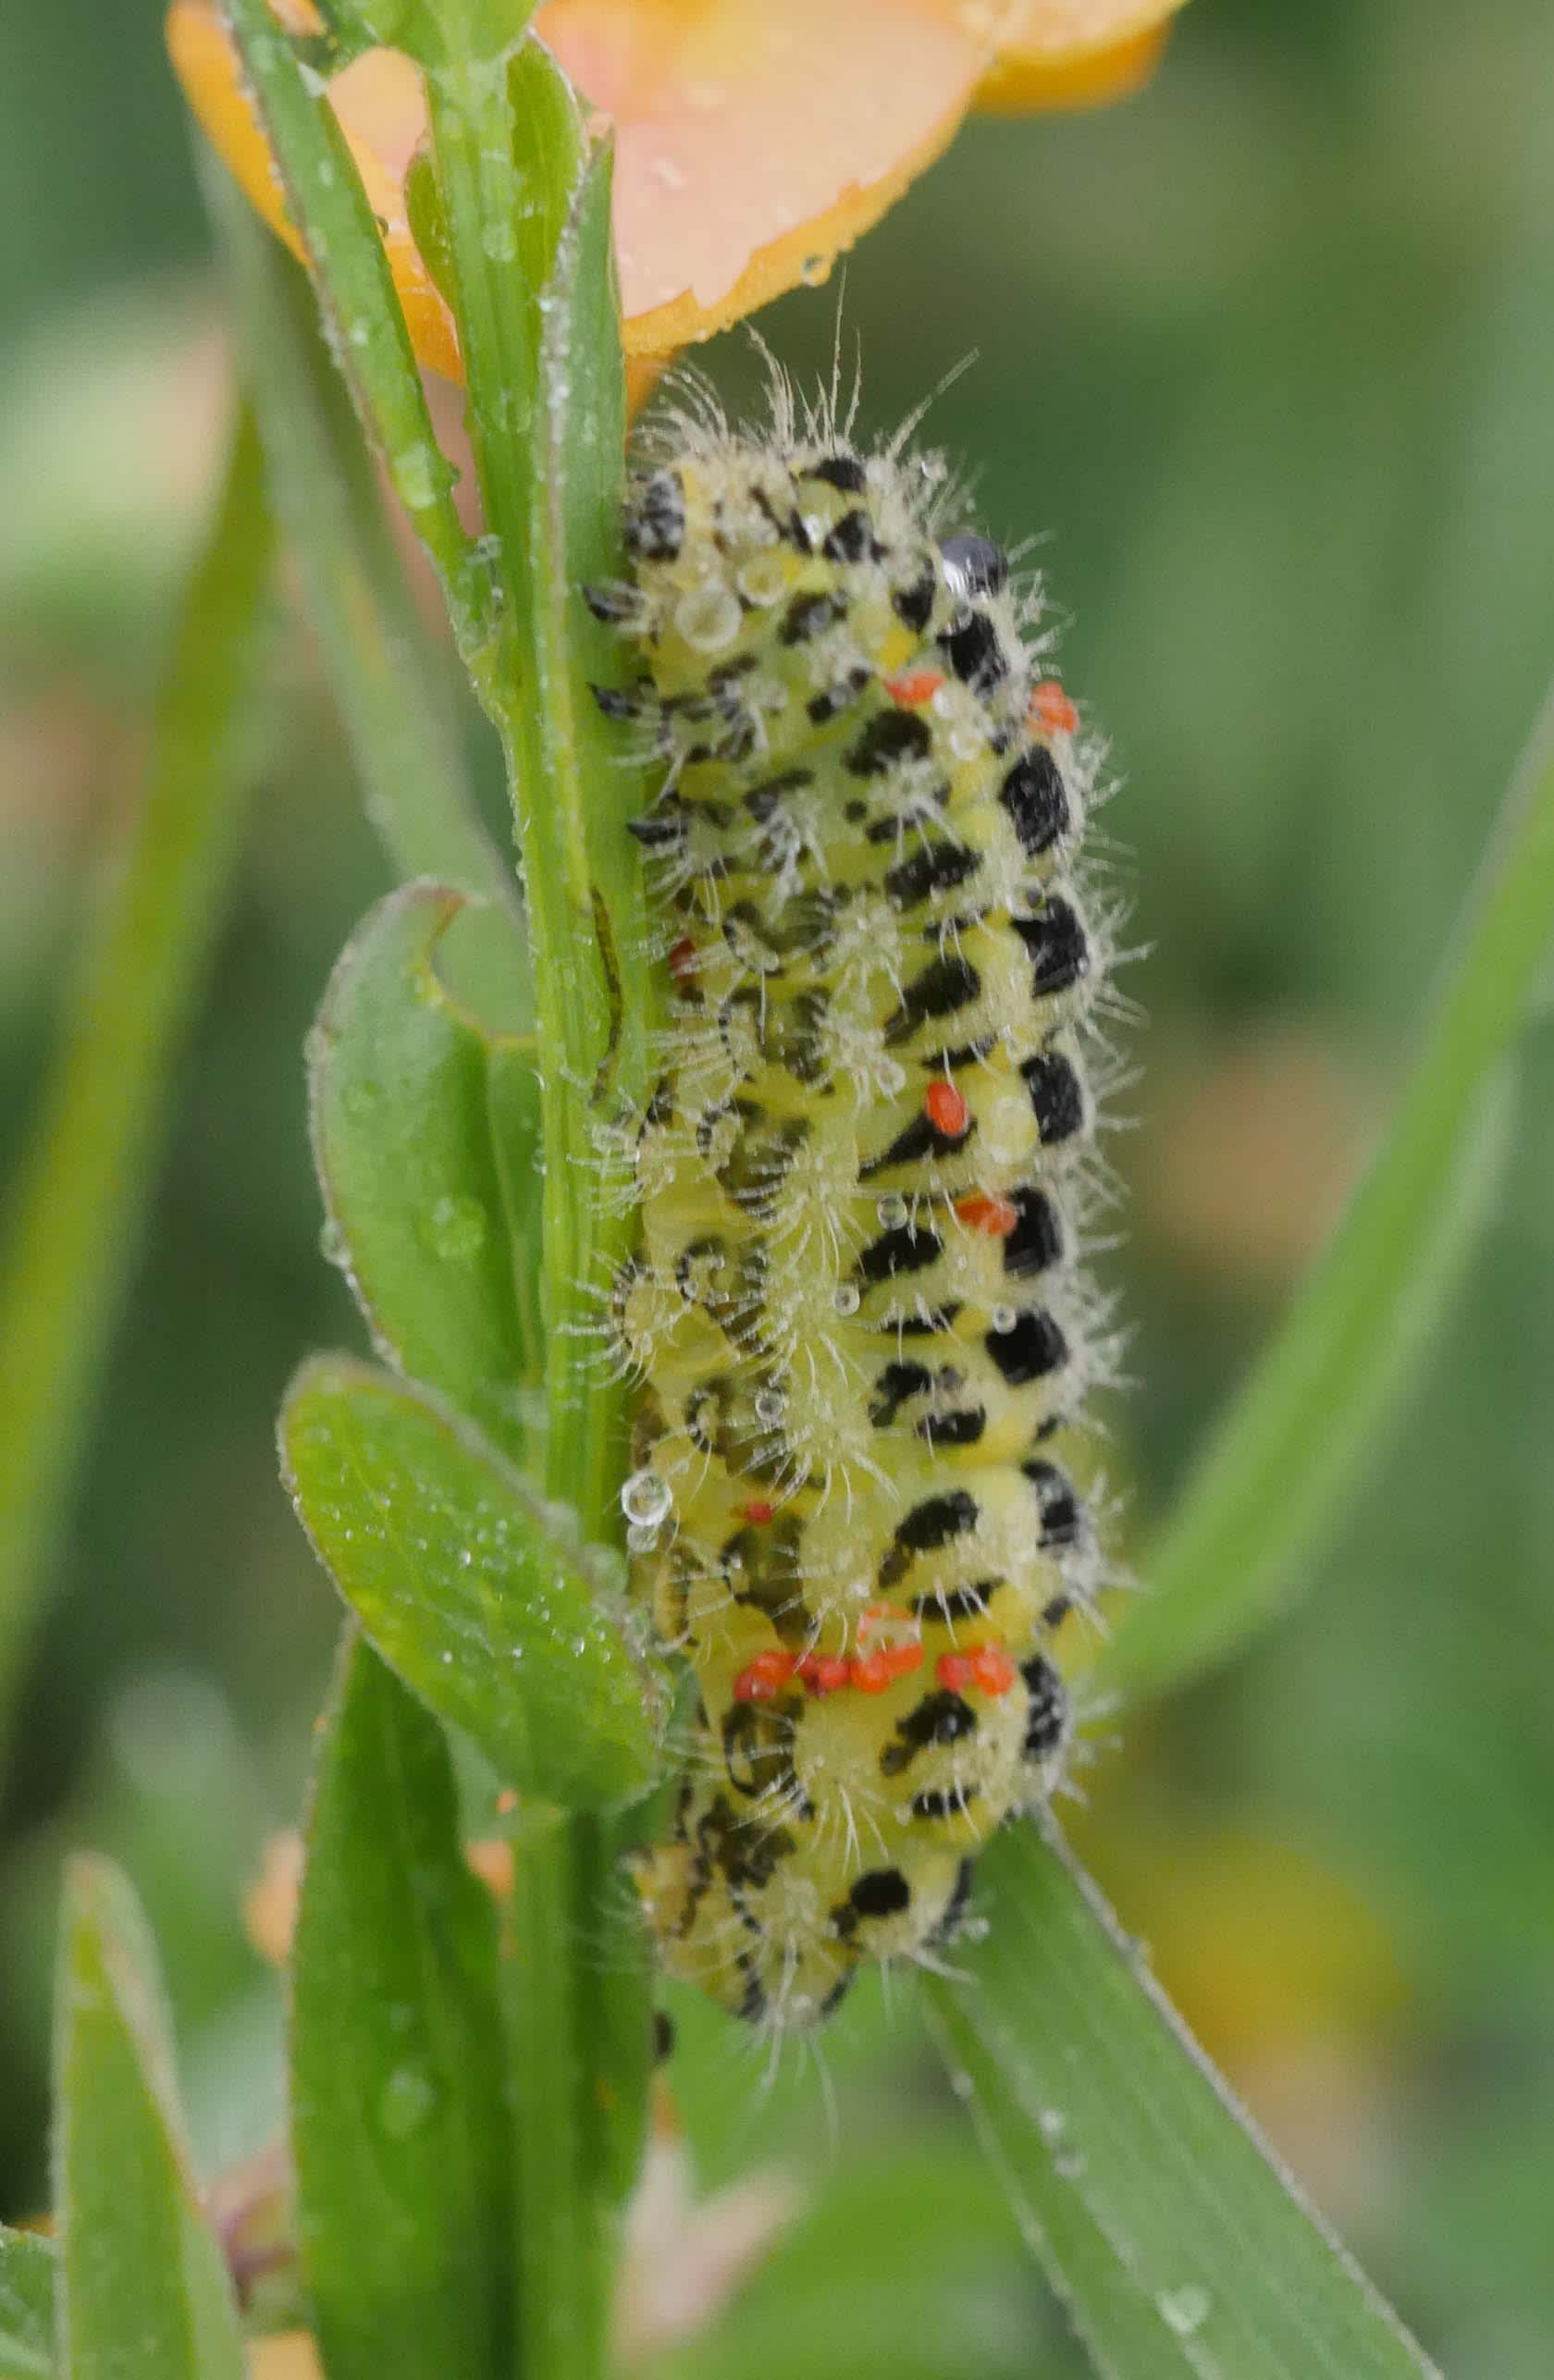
[27,2285]
[400,2121]
[74,1219]
[466,1586]
[144,2291]
[467,2124]
[1308,1420]
[423,1159]
[1177,2242]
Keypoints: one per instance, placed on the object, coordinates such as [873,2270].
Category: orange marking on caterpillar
[764,1677]
[1051,710]
[874,1673]
[913,687]
[757,1511]
[992,1669]
[989,1666]
[681,959]
[823,1672]
[947,1110]
[986,1211]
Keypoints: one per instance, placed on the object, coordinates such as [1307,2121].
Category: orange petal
[755,143]
[1075,54]
[382,112]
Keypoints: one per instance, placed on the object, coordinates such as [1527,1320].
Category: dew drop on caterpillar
[857,1314]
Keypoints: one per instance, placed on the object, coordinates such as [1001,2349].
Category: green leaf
[393,693]
[1174,2238]
[549,149]
[1273,1478]
[463,1586]
[74,1211]
[330,208]
[27,2285]
[423,1208]
[146,2294]
[398,2122]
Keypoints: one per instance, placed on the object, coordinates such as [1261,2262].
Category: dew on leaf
[405,2102]
[646,1499]
[457,1227]
[1186,2310]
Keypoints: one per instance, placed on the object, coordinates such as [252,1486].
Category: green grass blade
[27,2282]
[76,1207]
[1274,1476]
[398,2124]
[366,329]
[1180,2248]
[463,1588]
[394,701]
[146,2294]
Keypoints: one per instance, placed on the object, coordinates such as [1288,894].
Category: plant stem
[77,1204]
[1298,1433]
[529,680]
[560,2277]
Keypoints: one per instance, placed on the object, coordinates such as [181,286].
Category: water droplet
[405,2102]
[708,617]
[457,1227]
[417,473]
[892,1213]
[499,238]
[1004,1318]
[770,1406]
[814,270]
[848,1299]
[764,578]
[646,1499]
[640,1540]
[1186,2310]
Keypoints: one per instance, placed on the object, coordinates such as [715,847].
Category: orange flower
[754,141]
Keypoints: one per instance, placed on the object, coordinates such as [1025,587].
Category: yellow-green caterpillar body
[857,1314]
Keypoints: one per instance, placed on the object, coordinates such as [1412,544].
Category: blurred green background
[1266,359]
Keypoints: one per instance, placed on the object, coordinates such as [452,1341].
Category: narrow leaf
[74,1215]
[1178,2244]
[340,231]
[26,2280]
[417,1192]
[463,1586]
[398,2124]
[393,693]
[146,2294]
[1273,1478]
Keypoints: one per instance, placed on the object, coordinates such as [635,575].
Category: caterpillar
[857,1317]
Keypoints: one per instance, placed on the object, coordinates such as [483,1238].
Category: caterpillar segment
[856,1312]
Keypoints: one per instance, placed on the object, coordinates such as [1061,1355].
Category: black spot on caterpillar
[857,1314]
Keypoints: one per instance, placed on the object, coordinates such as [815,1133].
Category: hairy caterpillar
[856,1316]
